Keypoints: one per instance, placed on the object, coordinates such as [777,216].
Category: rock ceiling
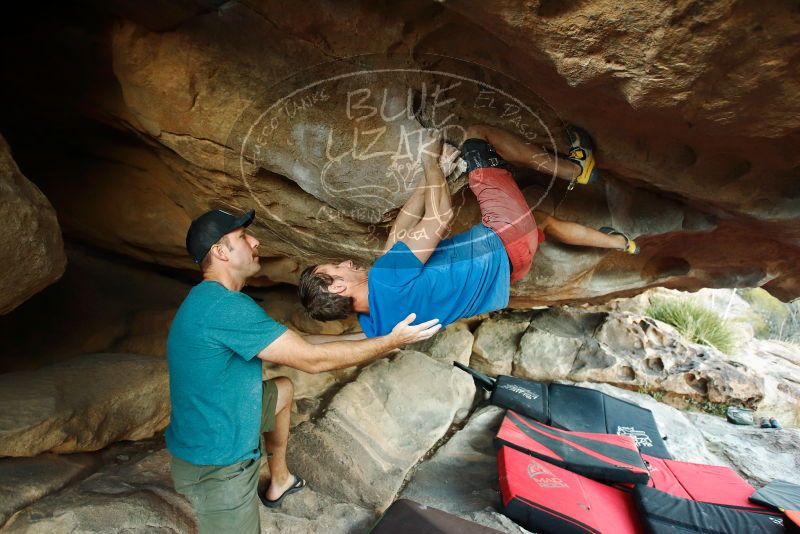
[133,124]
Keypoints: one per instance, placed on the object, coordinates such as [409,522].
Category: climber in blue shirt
[469,273]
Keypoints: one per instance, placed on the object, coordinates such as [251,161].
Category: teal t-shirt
[215,376]
[466,275]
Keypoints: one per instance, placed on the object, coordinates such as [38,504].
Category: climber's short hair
[321,304]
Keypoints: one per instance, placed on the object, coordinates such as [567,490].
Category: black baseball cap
[210,227]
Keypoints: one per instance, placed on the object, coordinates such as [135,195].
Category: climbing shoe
[774,423]
[630,245]
[581,153]
[765,423]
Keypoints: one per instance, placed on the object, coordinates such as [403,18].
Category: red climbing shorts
[503,207]
[505,210]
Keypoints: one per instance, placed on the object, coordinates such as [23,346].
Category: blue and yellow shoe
[581,153]
[630,245]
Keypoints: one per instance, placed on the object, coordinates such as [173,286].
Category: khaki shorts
[225,497]
[268,404]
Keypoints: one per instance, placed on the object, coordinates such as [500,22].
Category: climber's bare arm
[424,237]
[414,208]
[409,215]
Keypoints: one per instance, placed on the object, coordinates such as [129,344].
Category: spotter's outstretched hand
[405,333]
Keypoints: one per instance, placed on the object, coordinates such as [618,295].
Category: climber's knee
[475,131]
[543,220]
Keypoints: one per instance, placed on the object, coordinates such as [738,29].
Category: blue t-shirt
[467,274]
[215,376]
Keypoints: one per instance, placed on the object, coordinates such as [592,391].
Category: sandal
[299,484]
[581,153]
[630,245]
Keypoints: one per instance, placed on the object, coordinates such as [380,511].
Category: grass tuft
[712,408]
[695,322]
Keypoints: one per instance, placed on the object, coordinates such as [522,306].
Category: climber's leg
[577,167]
[572,233]
[517,152]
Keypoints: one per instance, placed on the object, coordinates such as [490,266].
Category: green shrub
[707,407]
[656,394]
[695,322]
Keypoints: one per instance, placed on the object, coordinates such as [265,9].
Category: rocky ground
[89,456]
[379,438]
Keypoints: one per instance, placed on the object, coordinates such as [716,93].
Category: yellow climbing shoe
[581,153]
[630,245]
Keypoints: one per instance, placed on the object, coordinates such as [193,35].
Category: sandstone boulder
[312,511]
[759,454]
[127,498]
[496,342]
[83,404]
[461,478]
[549,347]
[100,301]
[727,303]
[31,237]
[659,353]
[631,351]
[454,343]
[26,480]
[378,427]
[570,49]
[147,333]
[779,365]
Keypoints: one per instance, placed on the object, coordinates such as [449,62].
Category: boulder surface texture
[30,238]
[83,404]
[311,115]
